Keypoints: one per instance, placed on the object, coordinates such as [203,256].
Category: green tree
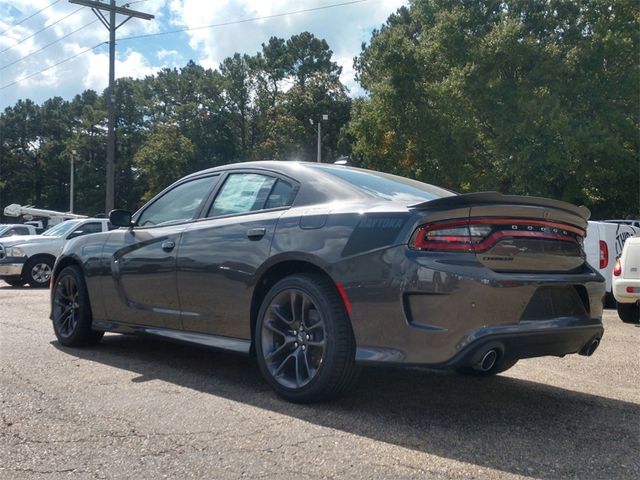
[163,158]
[522,96]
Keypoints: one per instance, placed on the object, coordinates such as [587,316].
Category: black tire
[628,312]
[500,366]
[71,312]
[303,340]
[14,283]
[38,271]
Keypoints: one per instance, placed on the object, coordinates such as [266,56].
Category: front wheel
[628,312]
[304,343]
[71,311]
[14,283]
[38,271]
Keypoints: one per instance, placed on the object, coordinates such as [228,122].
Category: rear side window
[281,195]
[241,193]
[180,204]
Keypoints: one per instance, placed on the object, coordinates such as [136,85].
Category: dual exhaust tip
[590,347]
[488,360]
[491,356]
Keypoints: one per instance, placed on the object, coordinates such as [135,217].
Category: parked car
[603,245]
[30,258]
[317,268]
[626,281]
[11,229]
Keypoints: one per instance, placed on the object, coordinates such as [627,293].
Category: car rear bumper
[441,310]
[620,292]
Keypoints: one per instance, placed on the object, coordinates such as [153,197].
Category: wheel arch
[37,256]
[64,262]
[276,271]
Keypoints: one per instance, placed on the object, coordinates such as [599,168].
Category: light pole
[325,117]
[73,156]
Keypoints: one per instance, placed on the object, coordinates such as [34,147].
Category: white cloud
[344,28]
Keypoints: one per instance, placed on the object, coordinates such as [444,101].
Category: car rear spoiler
[495,198]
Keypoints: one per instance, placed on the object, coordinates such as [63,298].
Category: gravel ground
[141,408]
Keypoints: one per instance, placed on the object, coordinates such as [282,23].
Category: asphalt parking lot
[141,408]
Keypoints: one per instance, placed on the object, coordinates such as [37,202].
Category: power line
[41,30]
[47,45]
[30,16]
[246,20]
[52,66]
[55,23]
[176,31]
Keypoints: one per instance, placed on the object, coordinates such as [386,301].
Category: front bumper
[11,269]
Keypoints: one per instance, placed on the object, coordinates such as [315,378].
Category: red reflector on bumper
[343,295]
[632,290]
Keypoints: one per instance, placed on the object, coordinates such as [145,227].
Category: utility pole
[73,155]
[325,117]
[111,25]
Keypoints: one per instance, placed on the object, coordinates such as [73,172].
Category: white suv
[626,281]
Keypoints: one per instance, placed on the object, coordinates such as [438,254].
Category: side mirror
[75,234]
[120,218]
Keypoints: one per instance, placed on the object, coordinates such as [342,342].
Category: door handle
[256,233]
[168,245]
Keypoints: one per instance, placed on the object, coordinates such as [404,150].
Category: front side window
[180,204]
[86,229]
[241,193]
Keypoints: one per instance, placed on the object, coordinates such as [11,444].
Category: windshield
[61,228]
[387,186]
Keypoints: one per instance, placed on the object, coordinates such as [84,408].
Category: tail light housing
[479,235]
[604,254]
[617,268]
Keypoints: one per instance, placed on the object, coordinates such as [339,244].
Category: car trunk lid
[509,233]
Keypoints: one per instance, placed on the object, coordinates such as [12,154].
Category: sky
[24,30]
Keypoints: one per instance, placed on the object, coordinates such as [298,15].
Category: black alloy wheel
[304,342]
[71,313]
[38,272]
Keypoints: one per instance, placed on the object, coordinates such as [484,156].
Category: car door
[142,289]
[220,254]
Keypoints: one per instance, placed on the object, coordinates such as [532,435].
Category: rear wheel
[500,366]
[71,311]
[14,283]
[304,342]
[629,312]
[38,271]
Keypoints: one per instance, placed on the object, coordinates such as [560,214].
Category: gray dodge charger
[316,269]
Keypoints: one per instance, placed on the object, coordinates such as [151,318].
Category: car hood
[22,239]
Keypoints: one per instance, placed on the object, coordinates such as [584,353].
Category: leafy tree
[163,158]
[530,97]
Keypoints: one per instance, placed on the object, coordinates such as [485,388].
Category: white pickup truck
[603,246]
[30,258]
[11,229]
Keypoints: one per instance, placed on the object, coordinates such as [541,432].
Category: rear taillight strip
[533,223]
[426,236]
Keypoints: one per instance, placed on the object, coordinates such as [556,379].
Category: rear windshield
[387,186]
